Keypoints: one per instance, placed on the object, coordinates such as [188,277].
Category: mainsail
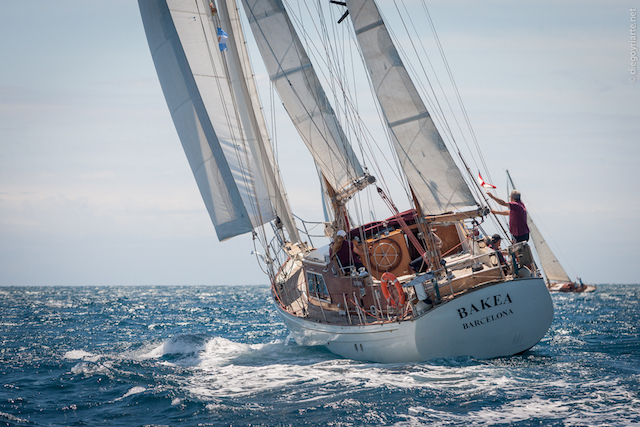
[300,90]
[430,170]
[233,175]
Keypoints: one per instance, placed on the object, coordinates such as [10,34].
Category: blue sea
[220,356]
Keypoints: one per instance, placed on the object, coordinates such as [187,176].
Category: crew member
[517,216]
[494,243]
[346,252]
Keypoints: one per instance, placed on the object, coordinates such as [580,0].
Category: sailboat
[557,278]
[428,286]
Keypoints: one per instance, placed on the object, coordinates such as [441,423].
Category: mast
[432,255]
[341,218]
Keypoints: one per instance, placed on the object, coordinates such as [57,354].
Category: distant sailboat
[557,278]
[461,301]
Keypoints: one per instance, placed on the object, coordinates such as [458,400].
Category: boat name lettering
[487,319]
[488,302]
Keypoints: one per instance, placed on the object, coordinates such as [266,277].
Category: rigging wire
[274,254]
[353,119]
[396,167]
[394,150]
[348,108]
[433,100]
[457,92]
[346,164]
[437,107]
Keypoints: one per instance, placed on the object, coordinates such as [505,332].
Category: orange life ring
[384,284]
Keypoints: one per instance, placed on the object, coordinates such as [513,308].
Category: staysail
[300,90]
[430,170]
[184,45]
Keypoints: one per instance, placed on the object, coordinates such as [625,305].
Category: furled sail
[301,92]
[184,45]
[250,111]
[550,264]
[430,170]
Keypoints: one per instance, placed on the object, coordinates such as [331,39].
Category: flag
[222,39]
[484,184]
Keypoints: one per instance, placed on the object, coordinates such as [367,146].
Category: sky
[95,188]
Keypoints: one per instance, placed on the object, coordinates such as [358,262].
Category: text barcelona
[494,301]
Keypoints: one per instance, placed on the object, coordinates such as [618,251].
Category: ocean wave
[164,363]
[180,345]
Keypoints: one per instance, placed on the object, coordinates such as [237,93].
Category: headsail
[433,175]
[550,264]
[301,93]
[249,109]
[184,45]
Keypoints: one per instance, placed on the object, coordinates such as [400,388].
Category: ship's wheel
[385,255]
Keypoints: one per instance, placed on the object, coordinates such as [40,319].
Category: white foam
[227,368]
[215,407]
[220,367]
[565,340]
[574,402]
[196,350]
[178,345]
[134,390]
[259,368]
[81,354]
[215,369]
[12,418]
[88,369]
[219,351]
[278,367]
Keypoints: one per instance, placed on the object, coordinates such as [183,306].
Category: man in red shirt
[517,216]
[346,252]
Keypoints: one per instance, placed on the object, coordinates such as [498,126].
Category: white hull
[497,320]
